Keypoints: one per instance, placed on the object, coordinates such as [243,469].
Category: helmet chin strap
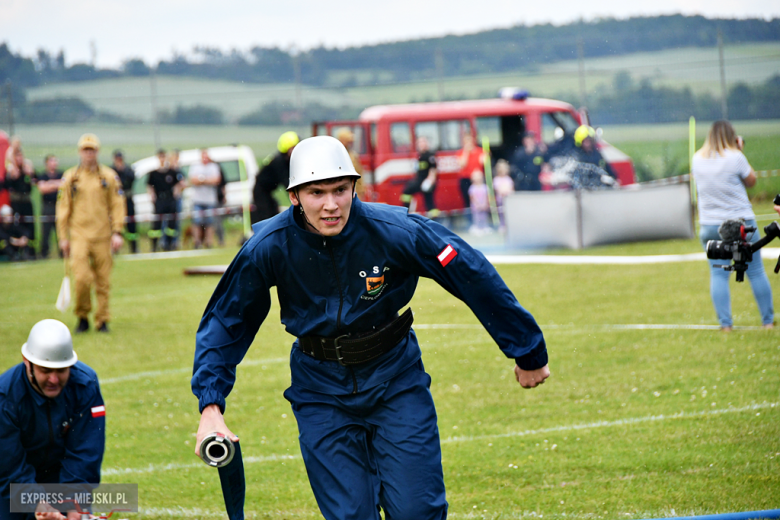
[34,380]
[303,213]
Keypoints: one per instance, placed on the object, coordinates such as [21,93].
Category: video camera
[735,246]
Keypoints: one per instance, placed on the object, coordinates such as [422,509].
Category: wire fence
[238,210]
[149,217]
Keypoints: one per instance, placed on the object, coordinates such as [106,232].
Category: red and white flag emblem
[99,411]
[446,256]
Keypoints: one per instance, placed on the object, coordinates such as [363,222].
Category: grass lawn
[632,424]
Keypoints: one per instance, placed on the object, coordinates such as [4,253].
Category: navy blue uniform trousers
[377,448]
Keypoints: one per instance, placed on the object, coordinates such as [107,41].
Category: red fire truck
[385,137]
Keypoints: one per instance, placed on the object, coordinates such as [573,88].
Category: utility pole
[296,57]
[439,60]
[155,117]
[581,67]
[724,107]
[93,53]
[10,96]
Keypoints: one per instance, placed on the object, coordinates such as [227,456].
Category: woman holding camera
[722,173]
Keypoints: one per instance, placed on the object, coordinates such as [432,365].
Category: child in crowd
[503,185]
[480,204]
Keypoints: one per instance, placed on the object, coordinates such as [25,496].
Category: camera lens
[718,250]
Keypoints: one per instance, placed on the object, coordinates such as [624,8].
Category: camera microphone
[735,246]
[731,230]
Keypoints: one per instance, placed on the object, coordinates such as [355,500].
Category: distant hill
[496,51]
[526,47]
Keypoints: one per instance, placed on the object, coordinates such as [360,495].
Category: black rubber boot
[83,326]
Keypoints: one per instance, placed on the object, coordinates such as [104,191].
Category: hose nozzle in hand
[216,450]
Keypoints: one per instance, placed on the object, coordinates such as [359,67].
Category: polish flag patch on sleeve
[446,256]
[99,411]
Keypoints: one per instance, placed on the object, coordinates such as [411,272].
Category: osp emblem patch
[376,282]
[374,285]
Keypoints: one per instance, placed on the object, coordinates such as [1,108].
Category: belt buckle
[336,345]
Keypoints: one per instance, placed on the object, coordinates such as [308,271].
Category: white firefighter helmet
[50,345]
[319,158]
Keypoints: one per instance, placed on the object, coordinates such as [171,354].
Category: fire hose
[219,452]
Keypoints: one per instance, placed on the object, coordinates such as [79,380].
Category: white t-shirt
[204,195]
[722,194]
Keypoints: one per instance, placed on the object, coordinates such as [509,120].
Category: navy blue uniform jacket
[349,283]
[50,440]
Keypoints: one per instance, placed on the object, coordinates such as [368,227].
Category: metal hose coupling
[216,450]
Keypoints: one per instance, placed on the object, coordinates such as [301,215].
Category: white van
[236,162]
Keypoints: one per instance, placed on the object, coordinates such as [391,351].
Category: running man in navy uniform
[343,270]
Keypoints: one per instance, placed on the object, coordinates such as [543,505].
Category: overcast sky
[154,29]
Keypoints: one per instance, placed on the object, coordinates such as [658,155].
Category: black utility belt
[356,349]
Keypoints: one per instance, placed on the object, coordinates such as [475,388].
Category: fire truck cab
[385,137]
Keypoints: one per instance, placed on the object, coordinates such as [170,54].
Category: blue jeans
[201,219]
[719,280]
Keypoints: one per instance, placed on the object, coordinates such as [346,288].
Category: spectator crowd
[572,161]
[27,218]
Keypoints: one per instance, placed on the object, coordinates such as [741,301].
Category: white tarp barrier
[542,219]
[636,215]
[576,219]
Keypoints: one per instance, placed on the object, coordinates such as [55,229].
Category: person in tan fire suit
[90,218]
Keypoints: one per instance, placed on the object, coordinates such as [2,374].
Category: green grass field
[633,423]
